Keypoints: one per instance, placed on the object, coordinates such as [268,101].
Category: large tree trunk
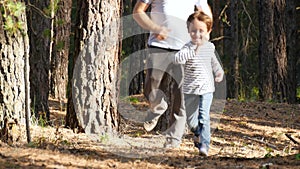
[40,37]
[275,75]
[14,49]
[95,77]
[60,53]
[266,46]
[280,75]
[292,45]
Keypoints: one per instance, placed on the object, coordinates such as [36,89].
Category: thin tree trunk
[234,9]
[297,45]
[291,29]
[135,43]
[60,53]
[139,44]
[218,28]
[71,118]
[227,53]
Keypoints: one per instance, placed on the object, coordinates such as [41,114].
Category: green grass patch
[133,100]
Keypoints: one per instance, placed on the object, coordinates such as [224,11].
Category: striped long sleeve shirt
[199,69]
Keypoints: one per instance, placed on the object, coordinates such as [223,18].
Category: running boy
[201,64]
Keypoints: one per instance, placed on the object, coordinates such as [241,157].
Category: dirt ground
[249,135]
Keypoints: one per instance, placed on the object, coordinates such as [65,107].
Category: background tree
[280,74]
[60,52]
[130,45]
[40,24]
[276,77]
[14,50]
[235,35]
[95,85]
[292,48]
[234,68]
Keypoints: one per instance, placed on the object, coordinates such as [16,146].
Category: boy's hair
[200,16]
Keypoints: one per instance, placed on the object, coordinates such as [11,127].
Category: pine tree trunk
[291,29]
[297,45]
[227,54]
[235,62]
[275,75]
[218,28]
[60,53]
[280,76]
[40,37]
[14,47]
[93,105]
[235,47]
[139,43]
[266,49]
[135,43]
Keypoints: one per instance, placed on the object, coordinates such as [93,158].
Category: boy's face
[198,32]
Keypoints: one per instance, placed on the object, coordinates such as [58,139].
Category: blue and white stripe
[199,68]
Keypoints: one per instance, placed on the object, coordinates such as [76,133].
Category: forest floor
[249,135]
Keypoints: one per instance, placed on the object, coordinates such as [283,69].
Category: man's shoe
[197,142]
[203,151]
[150,125]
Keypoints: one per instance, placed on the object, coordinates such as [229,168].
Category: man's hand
[162,33]
[219,77]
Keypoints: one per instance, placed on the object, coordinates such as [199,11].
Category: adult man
[168,33]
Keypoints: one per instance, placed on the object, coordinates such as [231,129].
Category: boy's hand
[219,77]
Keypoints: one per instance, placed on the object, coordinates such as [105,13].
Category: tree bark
[297,46]
[71,117]
[280,76]
[40,22]
[130,45]
[234,77]
[227,53]
[60,53]
[266,49]
[14,49]
[292,50]
[93,105]
[139,43]
[217,28]
[276,76]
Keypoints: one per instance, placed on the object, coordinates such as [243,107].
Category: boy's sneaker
[203,150]
[150,125]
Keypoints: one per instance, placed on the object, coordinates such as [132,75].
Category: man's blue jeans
[198,115]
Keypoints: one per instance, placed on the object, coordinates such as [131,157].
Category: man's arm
[140,16]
